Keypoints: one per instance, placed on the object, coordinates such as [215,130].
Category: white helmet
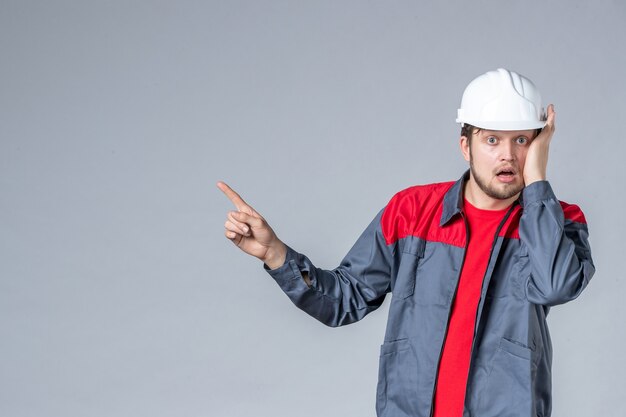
[502,100]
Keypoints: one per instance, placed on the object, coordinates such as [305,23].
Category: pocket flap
[414,246]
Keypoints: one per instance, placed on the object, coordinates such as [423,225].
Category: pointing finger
[233,197]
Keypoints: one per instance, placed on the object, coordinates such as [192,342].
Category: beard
[508,191]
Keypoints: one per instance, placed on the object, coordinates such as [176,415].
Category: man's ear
[464,144]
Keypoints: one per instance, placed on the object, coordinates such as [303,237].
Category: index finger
[233,196]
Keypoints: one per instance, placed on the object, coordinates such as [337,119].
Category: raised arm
[555,235]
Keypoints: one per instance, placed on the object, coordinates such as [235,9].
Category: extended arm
[334,297]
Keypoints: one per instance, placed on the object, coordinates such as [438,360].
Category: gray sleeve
[347,293]
[558,248]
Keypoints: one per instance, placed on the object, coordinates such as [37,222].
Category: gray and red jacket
[415,248]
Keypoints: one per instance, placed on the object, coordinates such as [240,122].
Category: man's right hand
[250,232]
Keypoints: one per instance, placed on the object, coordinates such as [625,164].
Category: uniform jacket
[415,248]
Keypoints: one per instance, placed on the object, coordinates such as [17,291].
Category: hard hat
[502,100]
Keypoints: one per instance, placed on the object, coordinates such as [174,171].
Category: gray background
[120,296]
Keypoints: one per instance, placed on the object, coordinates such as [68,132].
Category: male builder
[473,266]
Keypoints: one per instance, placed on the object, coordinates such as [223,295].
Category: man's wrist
[275,256]
[534,178]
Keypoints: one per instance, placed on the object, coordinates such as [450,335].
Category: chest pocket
[412,253]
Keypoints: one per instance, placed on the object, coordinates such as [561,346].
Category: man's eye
[491,140]
[522,140]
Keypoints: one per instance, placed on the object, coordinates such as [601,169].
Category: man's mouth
[506,175]
[506,172]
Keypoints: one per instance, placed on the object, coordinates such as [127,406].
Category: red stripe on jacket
[416,211]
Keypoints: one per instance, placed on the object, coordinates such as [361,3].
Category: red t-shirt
[455,358]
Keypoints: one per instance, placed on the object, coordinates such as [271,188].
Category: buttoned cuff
[289,274]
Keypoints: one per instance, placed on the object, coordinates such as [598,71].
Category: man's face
[497,160]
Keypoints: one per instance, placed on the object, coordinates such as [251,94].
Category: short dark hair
[468,130]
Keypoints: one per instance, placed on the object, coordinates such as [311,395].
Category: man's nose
[507,151]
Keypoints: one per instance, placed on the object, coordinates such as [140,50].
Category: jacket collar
[453,200]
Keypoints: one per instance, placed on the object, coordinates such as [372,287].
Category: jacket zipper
[467,239]
[493,244]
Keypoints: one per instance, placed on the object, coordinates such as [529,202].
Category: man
[473,265]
